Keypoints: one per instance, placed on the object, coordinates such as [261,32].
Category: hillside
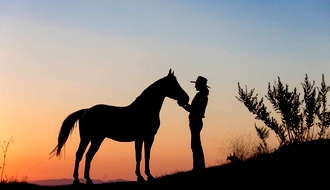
[300,166]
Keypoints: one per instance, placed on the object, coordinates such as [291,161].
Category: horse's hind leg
[138,157]
[95,145]
[79,154]
[147,147]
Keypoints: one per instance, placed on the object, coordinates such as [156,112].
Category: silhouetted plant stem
[4,147]
[323,114]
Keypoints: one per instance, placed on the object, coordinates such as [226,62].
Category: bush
[299,118]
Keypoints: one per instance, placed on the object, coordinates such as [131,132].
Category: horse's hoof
[140,179]
[76,182]
[150,178]
[89,182]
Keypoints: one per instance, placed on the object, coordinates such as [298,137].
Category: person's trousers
[196,126]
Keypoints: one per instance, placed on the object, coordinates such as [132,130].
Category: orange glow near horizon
[34,125]
[28,154]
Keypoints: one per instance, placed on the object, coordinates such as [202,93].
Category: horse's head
[174,90]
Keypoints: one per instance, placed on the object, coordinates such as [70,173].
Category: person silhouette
[196,114]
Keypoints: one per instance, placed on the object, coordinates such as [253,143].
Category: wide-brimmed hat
[201,80]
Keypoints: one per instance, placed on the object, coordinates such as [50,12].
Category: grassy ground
[302,166]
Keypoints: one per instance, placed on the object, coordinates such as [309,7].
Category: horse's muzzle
[183,100]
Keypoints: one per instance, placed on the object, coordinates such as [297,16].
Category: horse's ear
[173,73]
[170,72]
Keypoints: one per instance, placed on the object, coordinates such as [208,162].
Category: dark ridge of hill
[66,181]
[302,166]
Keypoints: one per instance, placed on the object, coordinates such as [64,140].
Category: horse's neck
[150,99]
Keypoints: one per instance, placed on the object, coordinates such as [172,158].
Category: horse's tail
[65,131]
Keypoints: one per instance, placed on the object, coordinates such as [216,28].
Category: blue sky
[255,28]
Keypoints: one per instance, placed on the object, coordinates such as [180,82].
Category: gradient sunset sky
[57,57]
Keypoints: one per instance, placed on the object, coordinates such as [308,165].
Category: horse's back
[114,122]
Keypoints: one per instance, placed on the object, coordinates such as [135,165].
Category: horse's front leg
[147,147]
[138,157]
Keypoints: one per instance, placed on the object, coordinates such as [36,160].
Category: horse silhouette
[138,122]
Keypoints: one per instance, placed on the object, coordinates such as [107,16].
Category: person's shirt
[198,105]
